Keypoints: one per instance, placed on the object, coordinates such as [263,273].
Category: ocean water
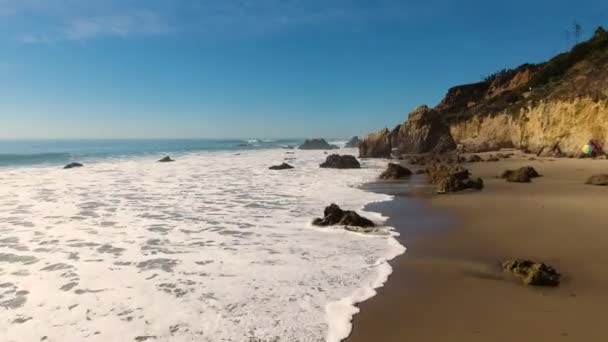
[213,247]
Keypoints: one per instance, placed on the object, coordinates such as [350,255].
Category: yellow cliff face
[563,125]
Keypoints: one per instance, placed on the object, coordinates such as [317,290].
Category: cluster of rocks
[599,179]
[475,158]
[533,273]
[333,215]
[395,171]
[317,144]
[521,175]
[451,178]
[336,161]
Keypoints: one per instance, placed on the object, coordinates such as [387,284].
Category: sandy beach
[449,286]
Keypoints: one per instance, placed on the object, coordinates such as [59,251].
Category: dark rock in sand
[353,143]
[532,273]
[283,166]
[333,216]
[451,178]
[395,171]
[73,165]
[420,171]
[336,161]
[376,145]
[601,179]
[504,155]
[521,175]
[317,144]
[492,159]
[167,159]
[474,158]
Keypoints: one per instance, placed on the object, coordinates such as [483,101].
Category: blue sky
[265,68]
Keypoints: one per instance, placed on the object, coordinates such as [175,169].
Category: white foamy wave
[213,247]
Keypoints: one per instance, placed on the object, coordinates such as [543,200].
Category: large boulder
[521,175]
[423,132]
[376,145]
[336,161]
[395,171]
[353,143]
[73,165]
[451,178]
[532,273]
[335,216]
[317,144]
[166,159]
[283,166]
[600,179]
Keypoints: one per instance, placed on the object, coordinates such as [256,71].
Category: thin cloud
[118,25]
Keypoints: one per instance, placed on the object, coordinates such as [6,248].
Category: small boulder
[335,216]
[473,158]
[521,175]
[452,178]
[395,171]
[167,159]
[317,144]
[600,179]
[283,166]
[336,161]
[353,143]
[420,171]
[533,273]
[73,165]
[492,159]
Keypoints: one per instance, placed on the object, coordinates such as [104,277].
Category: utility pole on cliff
[578,29]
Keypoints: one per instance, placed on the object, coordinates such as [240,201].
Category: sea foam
[213,247]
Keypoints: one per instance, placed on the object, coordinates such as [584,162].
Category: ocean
[212,247]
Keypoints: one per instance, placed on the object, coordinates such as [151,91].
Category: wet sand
[449,286]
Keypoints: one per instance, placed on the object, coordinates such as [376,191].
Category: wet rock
[167,159]
[283,166]
[353,143]
[600,179]
[395,171]
[533,273]
[336,161]
[317,144]
[521,175]
[451,178]
[335,216]
[73,165]
[376,145]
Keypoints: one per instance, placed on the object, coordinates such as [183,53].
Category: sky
[257,68]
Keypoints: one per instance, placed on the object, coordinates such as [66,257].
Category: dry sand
[448,286]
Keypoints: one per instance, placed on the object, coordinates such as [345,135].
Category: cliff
[551,108]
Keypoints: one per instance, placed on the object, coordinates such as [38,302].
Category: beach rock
[417,160]
[395,171]
[423,132]
[474,158]
[73,165]
[492,159]
[353,143]
[504,155]
[376,145]
[451,178]
[335,216]
[336,161]
[533,273]
[283,166]
[600,179]
[317,144]
[521,175]
[420,171]
[167,159]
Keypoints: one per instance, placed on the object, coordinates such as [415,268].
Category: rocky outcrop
[283,166]
[600,179]
[317,144]
[532,273]
[521,175]
[335,216]
[166,159]
[376,145]
[423,132]
[395,171]
[451,178]
[353,143]
[73,165]
[336,161]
